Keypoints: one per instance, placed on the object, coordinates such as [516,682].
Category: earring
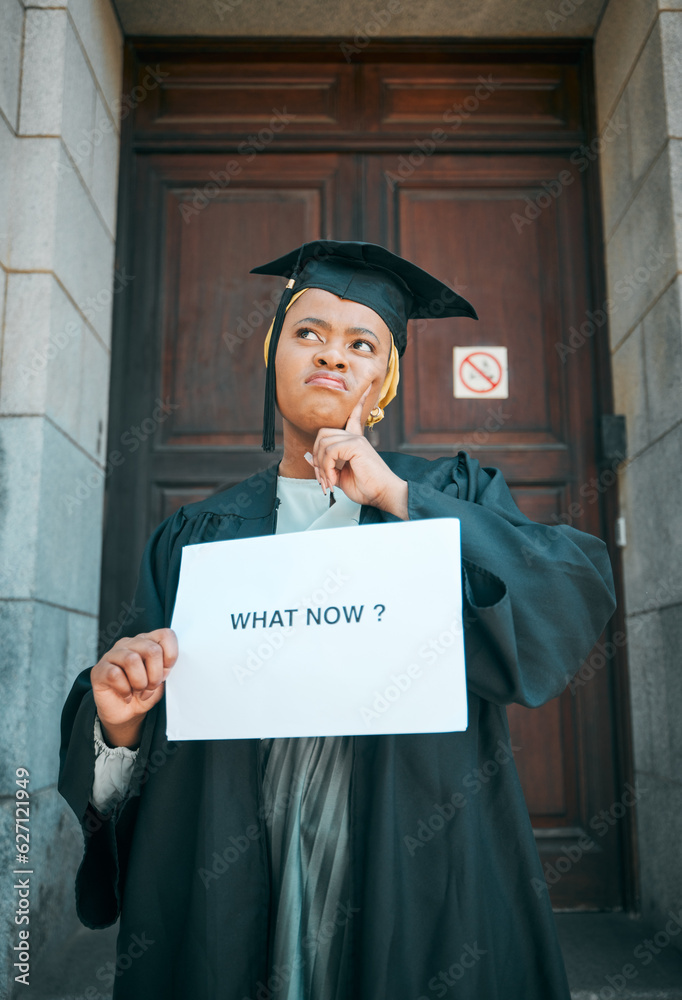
[375,415]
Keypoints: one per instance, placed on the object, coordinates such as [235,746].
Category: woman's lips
[328,381]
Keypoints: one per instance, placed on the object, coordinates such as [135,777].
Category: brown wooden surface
[349,165]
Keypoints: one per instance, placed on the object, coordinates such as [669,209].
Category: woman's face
[330,349]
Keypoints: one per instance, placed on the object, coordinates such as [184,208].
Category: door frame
[142,52]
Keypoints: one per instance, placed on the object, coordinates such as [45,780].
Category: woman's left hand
[345,458]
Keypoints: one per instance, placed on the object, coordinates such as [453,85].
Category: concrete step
[612,956]
[609,956]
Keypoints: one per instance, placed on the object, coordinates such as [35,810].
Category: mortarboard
[393,287]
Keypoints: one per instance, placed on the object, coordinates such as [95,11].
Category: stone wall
[60,83]
[638,62]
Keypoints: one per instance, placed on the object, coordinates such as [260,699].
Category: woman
[335,867]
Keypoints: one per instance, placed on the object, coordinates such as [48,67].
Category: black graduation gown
[443,857]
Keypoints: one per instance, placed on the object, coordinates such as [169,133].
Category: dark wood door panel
[455,215]
[519,314]
[470,97]
[205,95]
[543,776]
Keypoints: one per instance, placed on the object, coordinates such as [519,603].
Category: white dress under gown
[306,784]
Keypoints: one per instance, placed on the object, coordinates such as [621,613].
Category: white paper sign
[344,631]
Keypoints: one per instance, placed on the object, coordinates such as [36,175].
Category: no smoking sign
[480,373]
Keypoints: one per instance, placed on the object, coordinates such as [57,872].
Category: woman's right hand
[129,680]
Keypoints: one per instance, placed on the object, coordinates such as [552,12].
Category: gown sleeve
[107,836]
[536,597]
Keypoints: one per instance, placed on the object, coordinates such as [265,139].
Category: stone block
[69,541]
[43,644]
[100,34]
[641,254]
[627,367]
[55,227]
[55,855]
[79,106]
[649,497]
[670,629]
[42,78]
[84,255]
[671,38]
[647,701]
[16,629]
[675,157]
[67,648]
[85,258]
[44,676]
[21,447]
[3,297]
[62,645]
[645,89]
[24,365]
[32,219]
[82,650]
[42,356]
[93,396]
[11,34]
[51,532]
[105,158]
[655,667]
[53,363]
[614,167]
[617,43]
[662,340]
[8,143]
[659,825]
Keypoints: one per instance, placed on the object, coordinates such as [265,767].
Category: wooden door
[214,184]
[458,216]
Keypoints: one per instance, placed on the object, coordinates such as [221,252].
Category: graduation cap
[393,287]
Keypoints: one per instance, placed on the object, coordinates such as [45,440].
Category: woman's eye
[363,345]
